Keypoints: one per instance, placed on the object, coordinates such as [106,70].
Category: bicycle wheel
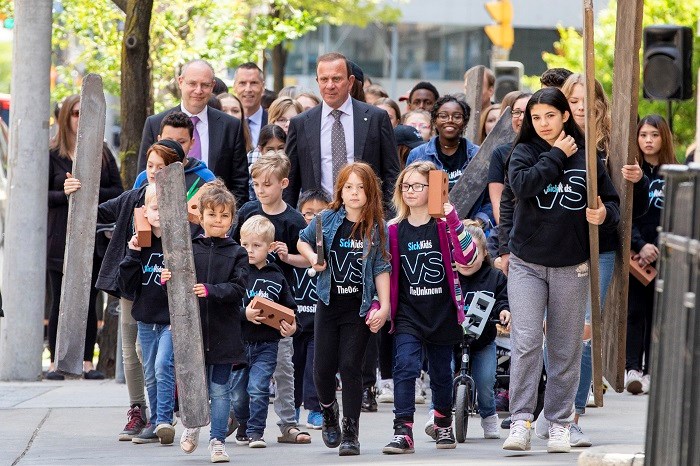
[461,412]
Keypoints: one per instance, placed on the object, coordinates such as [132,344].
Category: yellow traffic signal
[501,33]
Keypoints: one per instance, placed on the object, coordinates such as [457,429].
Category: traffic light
[668,52]
[501,33]
[508,77]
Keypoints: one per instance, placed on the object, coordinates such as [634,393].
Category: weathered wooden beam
[80,235]
[623,150]
[183,304]
[474,83]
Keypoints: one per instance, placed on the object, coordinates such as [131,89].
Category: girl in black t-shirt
[426,303]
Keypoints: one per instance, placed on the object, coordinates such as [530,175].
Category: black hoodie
[268,282]
[222,267]
[549,221]
[644,227]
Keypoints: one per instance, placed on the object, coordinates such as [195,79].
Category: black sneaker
[147,435]
[402,441]
[134,425]
[369,400]
[232,424]
[445,438]
[241,436]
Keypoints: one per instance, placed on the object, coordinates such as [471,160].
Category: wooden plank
[623,150]
[474,83]
[183,304]
[473,181]
[80,235]
[592,198]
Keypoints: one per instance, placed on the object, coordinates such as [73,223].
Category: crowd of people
[383,302]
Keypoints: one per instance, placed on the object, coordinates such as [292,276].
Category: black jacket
[549,221]
[644,227]
[222,267]
[139,276]
[492,282]
[268,282]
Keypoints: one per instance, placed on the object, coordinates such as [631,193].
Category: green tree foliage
[569,54]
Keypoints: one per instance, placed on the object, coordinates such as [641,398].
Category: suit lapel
[312,128]
[361,121]
[215,138]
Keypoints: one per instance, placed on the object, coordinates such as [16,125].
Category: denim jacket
[373,262]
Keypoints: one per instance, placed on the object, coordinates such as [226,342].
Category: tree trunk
[107,338]
[136,97]
[279,61]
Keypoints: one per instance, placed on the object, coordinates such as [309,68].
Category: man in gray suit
[218,137]
[368,135]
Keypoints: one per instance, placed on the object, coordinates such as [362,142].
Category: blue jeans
[484,374]
[250,386]
[408,359]
[219,377]
[607,263]
[158,370]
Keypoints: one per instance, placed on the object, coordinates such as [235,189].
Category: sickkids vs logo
[569,193]
[346,265]
[424,270]
[656,193]
[265,289]
[304,291]
[152,269]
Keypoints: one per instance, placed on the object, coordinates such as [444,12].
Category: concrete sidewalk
[76,422]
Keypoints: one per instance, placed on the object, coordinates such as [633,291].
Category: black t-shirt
[268,282]
[453,164]
[497,167]
[346,262]
[288,224]
[304,289]
[426,309]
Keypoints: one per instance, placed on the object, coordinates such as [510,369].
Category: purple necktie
[196,149]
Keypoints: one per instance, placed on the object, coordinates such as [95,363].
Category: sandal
[290,434]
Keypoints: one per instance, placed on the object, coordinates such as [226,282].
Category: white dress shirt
[255,125]
[327,121]
[203,131]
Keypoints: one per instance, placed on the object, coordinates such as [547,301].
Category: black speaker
[668,52]
[508,77]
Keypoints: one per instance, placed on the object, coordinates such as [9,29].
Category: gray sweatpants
[284,385]
[562,291]
[131,353]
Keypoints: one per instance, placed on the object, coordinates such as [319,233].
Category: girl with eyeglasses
[272,138]
[426,303]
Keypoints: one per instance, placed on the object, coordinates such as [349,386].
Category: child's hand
[648,254]
[254,315]
[315,266]
[378,319]
[281,249]
[566,144]
[632,172]
[134,243]
[596,216]
[71,184]
[200,290]
[504,317]
[287,330]
[165,275]
[447,208]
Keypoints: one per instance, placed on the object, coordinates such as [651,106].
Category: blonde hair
[603,122]
[150,194]
[280,106]
[259,226]
[275,163]
[402,210]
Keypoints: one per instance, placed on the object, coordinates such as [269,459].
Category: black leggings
[639,320]
[380,347]
[340,336]
[56,279]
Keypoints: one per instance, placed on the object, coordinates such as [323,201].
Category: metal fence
[674,402]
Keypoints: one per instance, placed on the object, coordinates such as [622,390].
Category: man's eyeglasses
[416,187]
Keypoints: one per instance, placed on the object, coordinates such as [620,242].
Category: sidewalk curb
[613,455]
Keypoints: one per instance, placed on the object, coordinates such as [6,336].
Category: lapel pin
[365,119]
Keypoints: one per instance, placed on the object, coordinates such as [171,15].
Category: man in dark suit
[218,137]
[249,86]
[311,146]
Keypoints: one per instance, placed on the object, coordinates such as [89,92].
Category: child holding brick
[221,267]
[250,386]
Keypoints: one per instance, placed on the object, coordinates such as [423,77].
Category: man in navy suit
[218,137]
[249,85]
[369,136]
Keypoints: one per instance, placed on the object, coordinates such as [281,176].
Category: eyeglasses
[282,120]
[309,215]
[416,187]
[456,117]
[195,84]
[516,114]
[75,113]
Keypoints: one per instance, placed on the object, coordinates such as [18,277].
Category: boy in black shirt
[250,386]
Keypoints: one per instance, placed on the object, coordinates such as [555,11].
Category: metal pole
[24,268]
[326,38]
[393,76]
[669,114]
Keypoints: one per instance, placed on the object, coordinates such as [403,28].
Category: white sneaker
[542,427]
[519,436]
[634,382]
[386,391]
[646,381]
[577,438]
[430,425]
[189,439]
[491,426]
[218,452]
[559,438]
[420,396]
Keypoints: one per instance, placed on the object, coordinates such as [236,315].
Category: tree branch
[121,4]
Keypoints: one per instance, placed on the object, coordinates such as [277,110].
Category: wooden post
[82,221]
[623,150]
[474,83]
[473,181]
[592,191]
[186,327]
